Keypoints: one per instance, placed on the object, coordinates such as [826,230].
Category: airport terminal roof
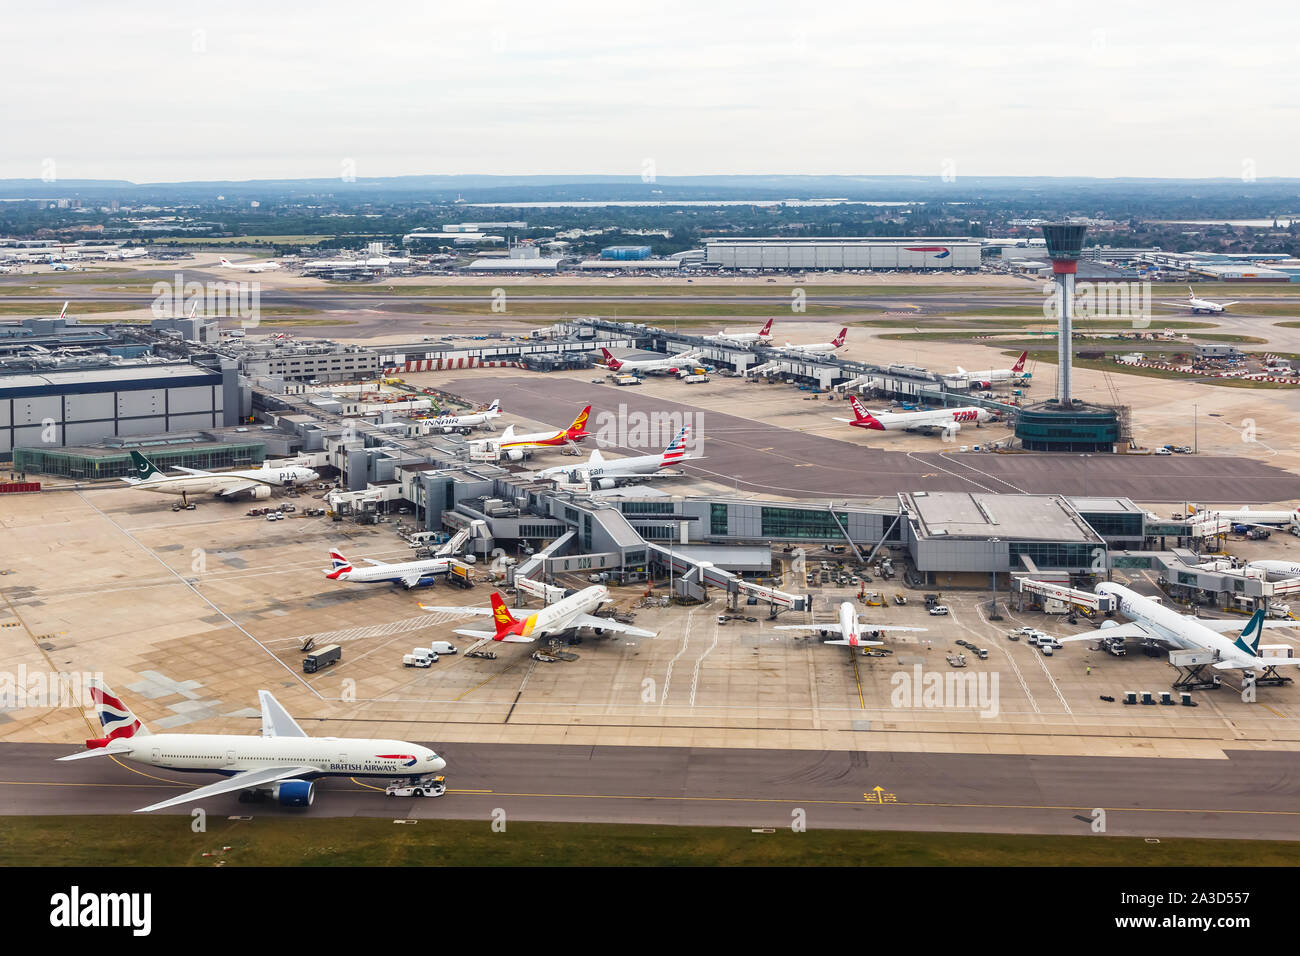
[984,516]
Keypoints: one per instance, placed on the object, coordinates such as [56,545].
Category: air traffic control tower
[1061,423]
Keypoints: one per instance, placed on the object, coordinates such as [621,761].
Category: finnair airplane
[985,378]
[258,482]
[851,631]
[671,364]
[257,265]
[524,626]
[449,423]
[600,473]
[282,763]
[1200,305]
[762,337]
[944,421]
[409,574]
[515,446]
[821,348]
[1151,620]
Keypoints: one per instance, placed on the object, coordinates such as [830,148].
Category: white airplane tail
[596,457]
[509,433]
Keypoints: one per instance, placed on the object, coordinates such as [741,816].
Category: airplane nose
[439,764]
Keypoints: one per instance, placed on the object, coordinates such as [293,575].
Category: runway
[1249,795]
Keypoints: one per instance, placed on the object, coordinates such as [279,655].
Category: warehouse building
[848,253]
[319,362]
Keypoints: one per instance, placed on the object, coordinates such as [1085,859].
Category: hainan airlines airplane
[672,364]
[450,423]
[257,265]
[524,626]
[985,378]
[821,348]
[945,421]
[515,446]
[1200,305]
[851,631]
[258,482]
[283,763]
[762,337]
[409,574]
[599,473]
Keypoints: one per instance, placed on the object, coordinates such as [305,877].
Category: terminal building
[784,254]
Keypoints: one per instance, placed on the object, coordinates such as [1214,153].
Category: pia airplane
[1200,305]
[599,473]
[762,337]
[1151,620]
[985,378]
[524,626]
[672,364]
[409,574]
[256,265]
[449,423]
[258,482]
[515,446]
[945,421]
[851,631]
[821,348]
[283,763]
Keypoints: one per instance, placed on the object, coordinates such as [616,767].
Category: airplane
[256,481]
[409,574]
[986,377]
[1282,569]
[449,423]
[849,628]
[524,626]
[946,421]
[1151,620]
[670,364]
[61,267]
[761,337]
[515,446]
[282,763]
[1244,515]
[600,473]
[1200,305]
[257,265]
[821,348]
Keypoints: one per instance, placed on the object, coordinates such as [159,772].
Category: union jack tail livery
[114,716]
[1020,362]
[338,565]
[863,418]
[676,450]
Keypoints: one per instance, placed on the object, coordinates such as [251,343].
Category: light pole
[993,608]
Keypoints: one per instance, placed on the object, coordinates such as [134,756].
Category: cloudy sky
[233,90]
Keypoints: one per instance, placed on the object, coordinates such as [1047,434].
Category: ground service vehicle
[324,657]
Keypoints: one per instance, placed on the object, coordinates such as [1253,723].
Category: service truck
[323,657]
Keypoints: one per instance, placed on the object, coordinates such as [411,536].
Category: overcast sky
[232,90]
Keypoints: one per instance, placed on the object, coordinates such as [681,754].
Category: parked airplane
[1200,305]
[1151,620]
[985,378]
[524,626]
[762,337]
[258,482]
[821,348]
[515,446]
[945,421]
[409,574]
[450,423]
[257,265]
[600,473]
[672,364]
[1245,515]
[850,630]
[283,763]
[1281,569]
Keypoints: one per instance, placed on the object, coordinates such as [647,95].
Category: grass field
[76,309]
[1106,365]
[599,289]
[359,841]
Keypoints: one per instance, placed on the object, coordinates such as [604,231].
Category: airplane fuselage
[395,573]
[1168,624]
[331,756]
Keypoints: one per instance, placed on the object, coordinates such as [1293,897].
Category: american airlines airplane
[409,574]
[985,378]
[257,265]
[282,763]
[851,631]
[450,423]
[945,421]
[599,473]
[1151,620]
[258,482]
[524,626]
[762,337]
[821,348]
[672,364]
[515,446]
[1200,305]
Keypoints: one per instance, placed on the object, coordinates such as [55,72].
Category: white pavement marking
[686,639]
[373,630]
[695,677]
[1011,660]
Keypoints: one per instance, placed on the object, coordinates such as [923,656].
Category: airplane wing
[99,752]
[192,471]
[1177,305]
[1104,633]
[473,609]
[240,781]
[1220,626]
[608,624]
[412,578]
[276,721]
[491,636]
[243,486]
[1224,305]
[961,371]
[828,627]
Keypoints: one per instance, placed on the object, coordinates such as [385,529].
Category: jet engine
[605,483]
[950,429]
[295,793]
[515,454]
[260,492]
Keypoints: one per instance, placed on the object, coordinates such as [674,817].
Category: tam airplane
[985,378]
[762,337]
[1200,305]
[599,473]
[946,421]
[450,423]
[515,446]
[1151,620]
[672,364]
[821,348]
[255,266]
[409,574]
[524,626]
[851,631]
[282,763]
[258,482]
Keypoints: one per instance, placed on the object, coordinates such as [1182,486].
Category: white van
[426,653]
[442,647]
[411,660]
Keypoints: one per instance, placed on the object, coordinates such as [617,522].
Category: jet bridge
[1067,595]
[694,578]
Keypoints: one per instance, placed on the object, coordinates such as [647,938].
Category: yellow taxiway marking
[853,656]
